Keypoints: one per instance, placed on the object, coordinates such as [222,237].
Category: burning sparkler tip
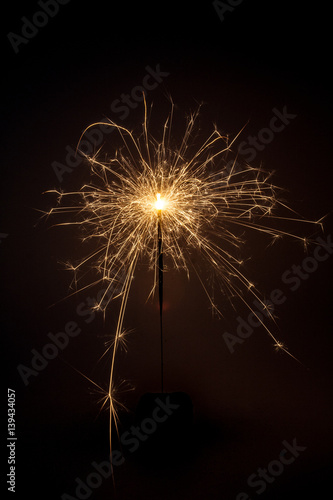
[159,203]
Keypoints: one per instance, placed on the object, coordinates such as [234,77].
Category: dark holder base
[166,421]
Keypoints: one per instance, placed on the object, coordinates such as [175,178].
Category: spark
[206,206]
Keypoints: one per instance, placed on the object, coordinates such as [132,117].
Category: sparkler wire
[160,287]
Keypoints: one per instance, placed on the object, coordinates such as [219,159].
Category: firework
[156,201]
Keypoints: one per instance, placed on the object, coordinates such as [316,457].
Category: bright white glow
[159,203]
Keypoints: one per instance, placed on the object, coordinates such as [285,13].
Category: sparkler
[156,202]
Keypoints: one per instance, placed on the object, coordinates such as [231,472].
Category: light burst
[194,197]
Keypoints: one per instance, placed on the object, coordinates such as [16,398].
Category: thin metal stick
[160,285]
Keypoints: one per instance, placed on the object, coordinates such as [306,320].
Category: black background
[263,55]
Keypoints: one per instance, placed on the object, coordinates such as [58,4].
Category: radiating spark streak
[202,212]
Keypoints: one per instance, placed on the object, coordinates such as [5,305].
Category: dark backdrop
[242,64]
